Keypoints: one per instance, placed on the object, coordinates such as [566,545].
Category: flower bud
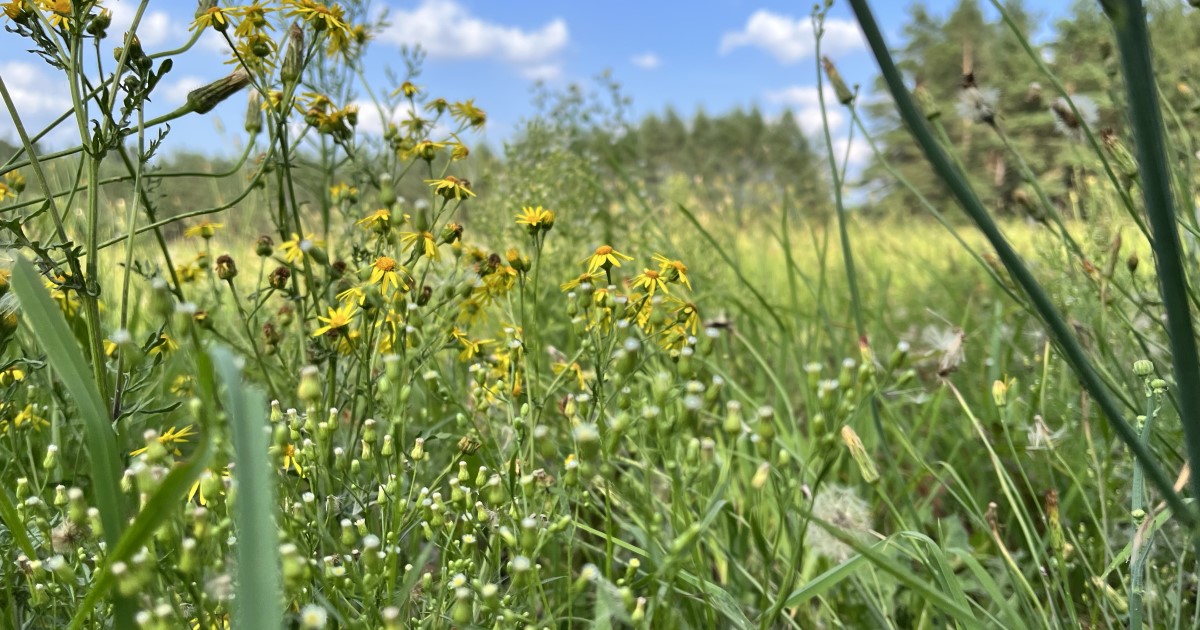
[1143,368]
[203,99]
[293,56]
[844,95]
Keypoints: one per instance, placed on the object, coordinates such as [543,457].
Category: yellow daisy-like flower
[165,344]
[425,241]
[289,460]
[573,369]
[451,187]
[380,220]
[14,9]
[651,281]
[354,294]
[172,437]
[686,314]
[338,319]
[203,229]
[343,192]
[11,375]
[317,15]
[29,416]
[470,348]
[673,270]
[605,257]
[60,12]
[295,249]
[386,273]
[216,18]
[467,113]
[196,491]
[408,89]
[535,219]
[254,19]
[574,283]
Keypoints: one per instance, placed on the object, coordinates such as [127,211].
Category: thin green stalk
[1058,328]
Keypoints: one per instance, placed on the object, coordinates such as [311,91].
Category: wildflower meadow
[369,367]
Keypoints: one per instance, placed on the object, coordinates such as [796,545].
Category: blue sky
[716,55]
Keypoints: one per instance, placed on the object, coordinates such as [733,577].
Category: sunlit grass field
[565,396]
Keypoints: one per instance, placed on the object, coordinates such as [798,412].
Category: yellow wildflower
[289,460]
[338,319]
[11,375]
[380,220]
[535,219]
[203,229]
[605,257]
[651,281]
[673,270]
[295,249]
[467,113]
[384,272]
[216,18]
[451,187]
[423,241]
[29,416]
[171,438]
[574,283]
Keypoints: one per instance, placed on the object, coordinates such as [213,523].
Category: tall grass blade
[1129,22]
[257,576]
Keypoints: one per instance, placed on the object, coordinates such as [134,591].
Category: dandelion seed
[1065,120]
[841,507]
[976,104]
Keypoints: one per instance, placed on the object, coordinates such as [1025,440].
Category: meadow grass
[473,410]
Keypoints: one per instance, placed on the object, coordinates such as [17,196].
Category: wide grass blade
[257,575]
[50,328]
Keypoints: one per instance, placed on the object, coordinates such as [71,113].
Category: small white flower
[313,616]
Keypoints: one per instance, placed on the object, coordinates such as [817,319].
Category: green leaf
[16,527]
[65,358]
[257,573]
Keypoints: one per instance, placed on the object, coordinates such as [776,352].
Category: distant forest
[737,160]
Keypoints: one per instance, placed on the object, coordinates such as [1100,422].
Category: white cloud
[806,104]
[646,61]
[789,39]
[154,29]
[39,96]
[542,72]
[177,91]
[446,30]
[860,151]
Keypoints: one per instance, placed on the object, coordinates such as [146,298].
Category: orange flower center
[603,250]
[385,263]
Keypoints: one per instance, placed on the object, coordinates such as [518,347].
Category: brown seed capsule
[279,278]
[226,268]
